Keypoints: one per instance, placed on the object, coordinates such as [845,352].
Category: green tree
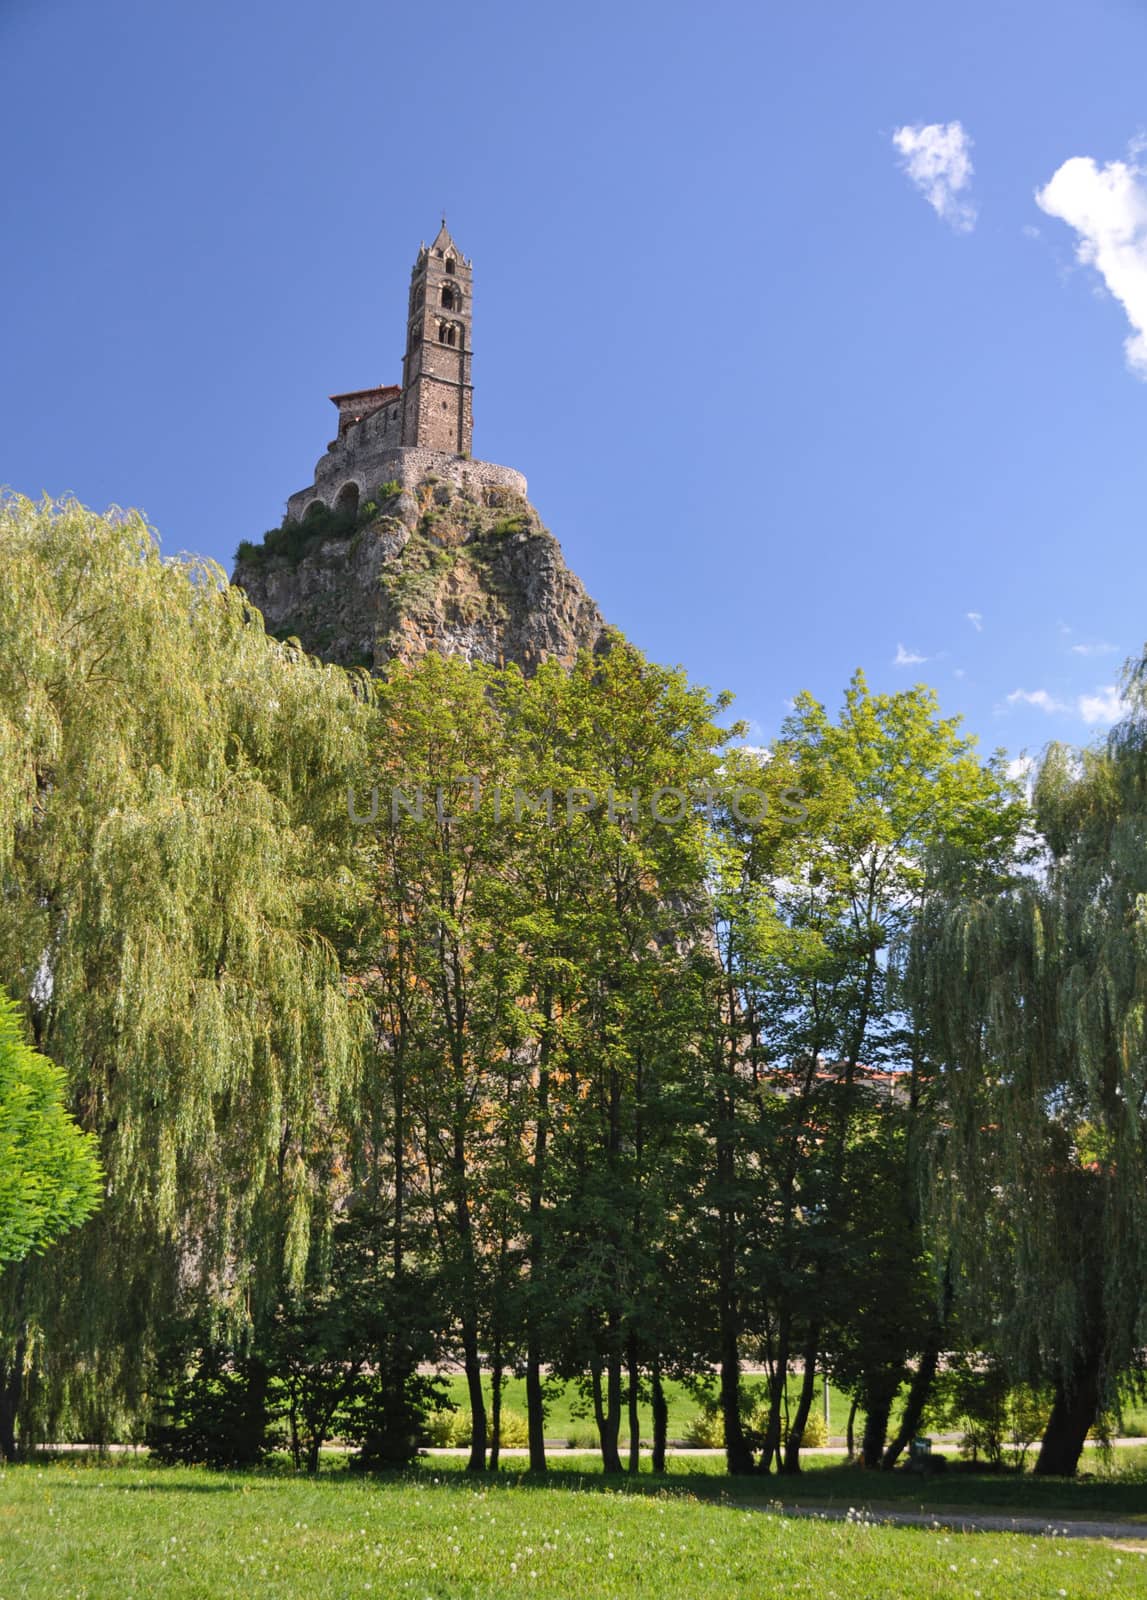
[812,1000]
[172,837]
[50,1178]
[625,1111]
[1035,993]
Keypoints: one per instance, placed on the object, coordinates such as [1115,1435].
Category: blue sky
[790,409]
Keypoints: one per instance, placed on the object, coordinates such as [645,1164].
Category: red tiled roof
[383,393]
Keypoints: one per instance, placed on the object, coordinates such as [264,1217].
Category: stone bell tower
[437,406]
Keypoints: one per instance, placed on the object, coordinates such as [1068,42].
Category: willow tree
[1036,997]
[171,838]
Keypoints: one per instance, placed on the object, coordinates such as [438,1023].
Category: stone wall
[378,462]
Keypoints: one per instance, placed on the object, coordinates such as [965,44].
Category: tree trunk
[468,1315]
[920,1389]
[477,1462]
[849,1432]
[11,1389]
[738,1454]
[1074,1411]
[607,1411]
[660,1416]
[633,1385]
[535,1406]
[293,1426]
[879,1393]
[804,1404]
[497,1379]
[535,1400]
[778,1384]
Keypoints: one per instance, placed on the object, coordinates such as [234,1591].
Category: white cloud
[1020,766]
[1105,705]
[1037,697]
[976,618]
[936,157]
[907,658]
[1093,649]
[1107,207]
[959,672]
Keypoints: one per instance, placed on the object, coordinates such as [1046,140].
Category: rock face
[442,562]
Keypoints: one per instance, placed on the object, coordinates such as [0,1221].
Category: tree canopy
[599,1046]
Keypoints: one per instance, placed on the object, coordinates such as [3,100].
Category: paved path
[677,1451]
[960,1521]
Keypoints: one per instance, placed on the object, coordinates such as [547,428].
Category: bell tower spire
[437,394]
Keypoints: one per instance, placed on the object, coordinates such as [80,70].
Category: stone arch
[451,299]
[347,499]
[314,507]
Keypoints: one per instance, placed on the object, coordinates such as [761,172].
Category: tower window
[449,300]
[447,333]
[450,264]
[415,335]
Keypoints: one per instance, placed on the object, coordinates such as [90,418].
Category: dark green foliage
[346,1351]
[390,1420]
[393,1401]
[219,1411]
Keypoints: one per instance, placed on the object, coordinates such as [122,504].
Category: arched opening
[447,333]
[347,502]
[313,510]
[450,264]
[449,299]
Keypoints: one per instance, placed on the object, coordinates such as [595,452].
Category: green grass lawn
[96,1531]
[1114,1489]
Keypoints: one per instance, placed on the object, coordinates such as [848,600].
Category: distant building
[881,1082]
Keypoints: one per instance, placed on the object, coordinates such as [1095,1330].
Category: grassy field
[1114,1488]
[94,1531]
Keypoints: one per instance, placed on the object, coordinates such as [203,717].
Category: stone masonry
[392,434]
